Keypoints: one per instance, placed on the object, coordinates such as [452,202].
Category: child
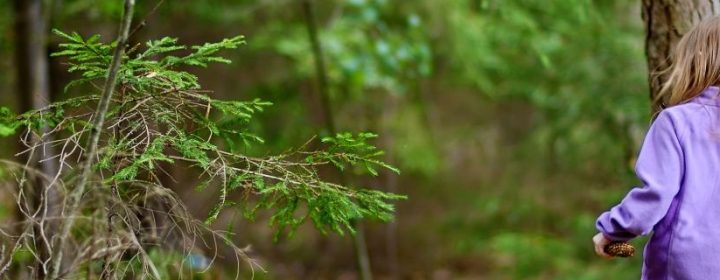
[679,166]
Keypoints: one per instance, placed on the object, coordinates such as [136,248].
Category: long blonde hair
[695,64]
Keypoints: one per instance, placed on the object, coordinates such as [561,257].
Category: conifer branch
[96,130]
[161,114]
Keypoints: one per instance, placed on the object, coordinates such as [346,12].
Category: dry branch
[96,130]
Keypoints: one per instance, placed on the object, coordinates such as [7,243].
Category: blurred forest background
[514,123]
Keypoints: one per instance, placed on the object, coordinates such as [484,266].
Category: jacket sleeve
[660,168]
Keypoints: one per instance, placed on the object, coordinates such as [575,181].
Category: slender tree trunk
[73,200]
[32,64]
[390,108]
[362,256]
[34,91]
[666,21]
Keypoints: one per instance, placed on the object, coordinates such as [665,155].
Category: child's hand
[600,242]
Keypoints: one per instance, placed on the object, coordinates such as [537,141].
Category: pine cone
[620,249]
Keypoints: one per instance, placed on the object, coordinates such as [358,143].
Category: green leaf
[8,122]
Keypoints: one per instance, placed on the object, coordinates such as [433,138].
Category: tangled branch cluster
[160,114]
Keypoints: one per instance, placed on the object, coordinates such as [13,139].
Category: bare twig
[98,122]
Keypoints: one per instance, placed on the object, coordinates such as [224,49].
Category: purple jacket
[679,165]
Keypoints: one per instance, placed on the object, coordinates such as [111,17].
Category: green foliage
[518,238]
[346,149]
[574,61]
[90,57]
[375,47]
[161,114]
[8,122]
[330,209]
[368,48]
[576,67]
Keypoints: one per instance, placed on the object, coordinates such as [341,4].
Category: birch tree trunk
[666,21]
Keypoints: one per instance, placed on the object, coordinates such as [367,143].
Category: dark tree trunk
[391,182]
[665,22]
[34,92]
[361,251]
[31,58]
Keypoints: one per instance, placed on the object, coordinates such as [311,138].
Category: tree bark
[33,85]
[32,65]
[666,21]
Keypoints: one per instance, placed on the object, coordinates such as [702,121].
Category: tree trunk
[32,61]
[74,197]
[390,108]
[361,251]
[34,92]
[666,21]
